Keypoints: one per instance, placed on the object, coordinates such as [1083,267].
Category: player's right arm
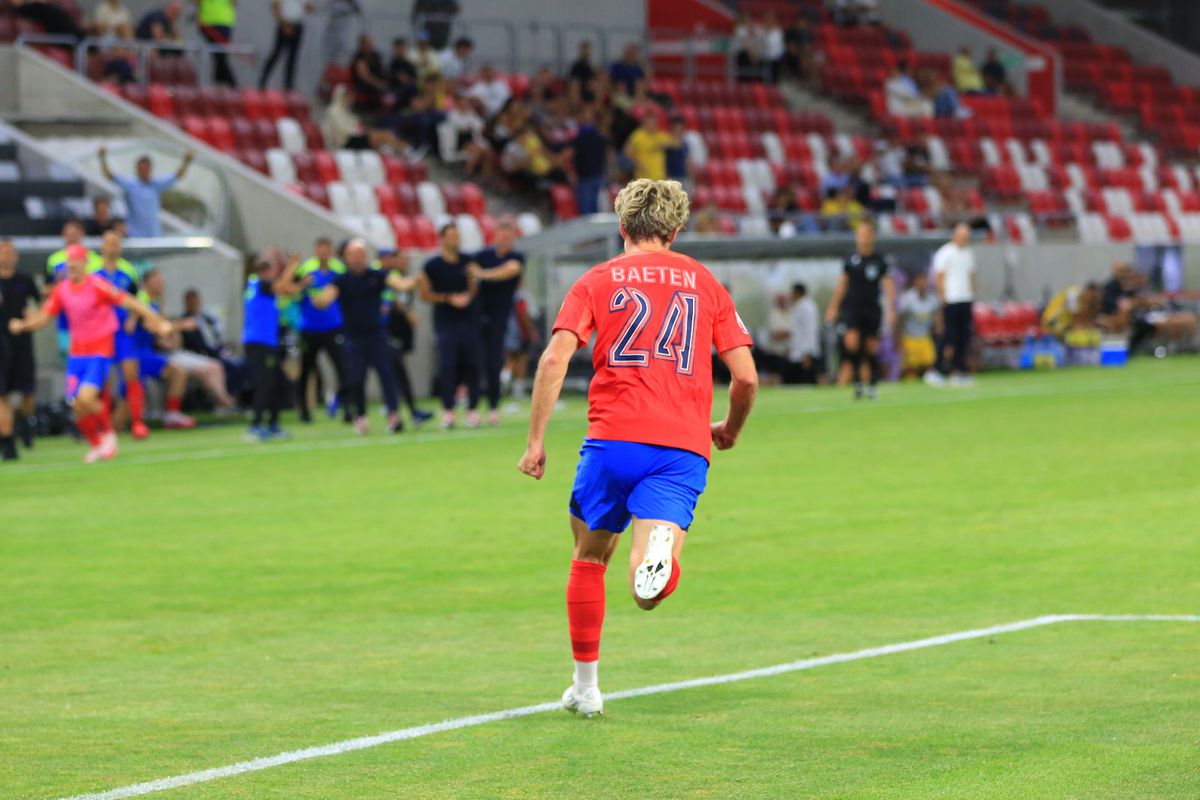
[547,384]
[835,304]
[743,388]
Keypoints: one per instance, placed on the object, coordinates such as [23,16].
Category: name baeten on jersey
[656,317]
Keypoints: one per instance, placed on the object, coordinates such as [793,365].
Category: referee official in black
[856,298]
[448,284]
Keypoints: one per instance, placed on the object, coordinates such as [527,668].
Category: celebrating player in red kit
[656,316]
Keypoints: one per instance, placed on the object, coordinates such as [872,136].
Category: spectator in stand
[839,176]
[452,62]
[677,155]
[491,90]
[804,338]
[954,270]
[782,206]
[51,18]
[401,70]
[367,77]
[945,98]
[855,12]
[889,161]
[433,19]
[143,192]
[774,47]
[112,19]
[628,72]
[647,147]
[917,168]
[460,136]
[798,54]
[419,124]
[529,163]
[904,97]
[159,25]
[102,218]
[345,130]
[748,48]
[966,77]
[289,32]
[920,314]
[217,19]
[995,75]
[426,58]
[590,154]
[840,211]
[582,70]
[341,20]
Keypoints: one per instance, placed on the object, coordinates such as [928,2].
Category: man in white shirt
[491,90]
[774,340]
[954,268]
[112,19]
[452,62]
[804,351]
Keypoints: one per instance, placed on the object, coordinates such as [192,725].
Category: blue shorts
[125,347]
[86,371]
[617,480]
[151,365]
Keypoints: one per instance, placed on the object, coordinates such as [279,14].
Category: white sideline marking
[362,743]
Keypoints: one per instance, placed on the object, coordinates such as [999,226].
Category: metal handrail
[144,49]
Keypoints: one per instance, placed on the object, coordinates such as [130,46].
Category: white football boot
[652,575]
[590,703]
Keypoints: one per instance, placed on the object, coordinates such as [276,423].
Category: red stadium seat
[327,169]
[403,229]
[474,200]
[389,206]
[161,101]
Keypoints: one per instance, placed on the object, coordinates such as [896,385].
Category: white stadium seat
[433,205]
[1189,227]
[347,163]
[528,223]
[280,166]
[773,147]
[990,152]
[939,156]
[1092,229]
[341,199]
[379,231]
[365,202]
[470,234]
[697,149]
[1041,153]
[291,135]
[371,169]
[1150,228]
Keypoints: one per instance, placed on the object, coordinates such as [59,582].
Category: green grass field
[201,601]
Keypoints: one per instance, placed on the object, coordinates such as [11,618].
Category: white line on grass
[362,743]
[175,452]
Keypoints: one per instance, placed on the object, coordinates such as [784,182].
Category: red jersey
[656,317]
[90,316]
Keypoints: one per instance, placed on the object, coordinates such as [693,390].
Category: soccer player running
[498,271]
[17,365]
[359,292]
[121,274]
[56,270]
[88,302]
[656,316]
[857,298]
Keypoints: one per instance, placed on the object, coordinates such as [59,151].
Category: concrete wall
[1111,28]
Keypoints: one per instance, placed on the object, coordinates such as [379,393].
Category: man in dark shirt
[590,152]
[582,70]
[628,72]
[498,270]
[359,293]
[995,75]
[448,284]
[17,367]
[857,298]
[158,25]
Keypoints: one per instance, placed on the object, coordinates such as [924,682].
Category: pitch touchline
[362,743]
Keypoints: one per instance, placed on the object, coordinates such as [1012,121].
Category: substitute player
[121,274]
[88,302]
[858,290]
[656,316]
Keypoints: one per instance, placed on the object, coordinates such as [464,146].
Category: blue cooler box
[1114,353]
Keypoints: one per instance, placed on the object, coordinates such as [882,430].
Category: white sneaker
[652,574]
[104,451]
[935,378]
[590,703]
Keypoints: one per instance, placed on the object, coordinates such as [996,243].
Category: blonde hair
[652,209]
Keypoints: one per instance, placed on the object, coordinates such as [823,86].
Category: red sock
[672,582]
[89,426]
[105,419]
[136,397]
[174,404]
[585,609]
[106,400]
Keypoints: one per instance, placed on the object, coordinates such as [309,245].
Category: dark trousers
[220,35]
[289,42]
[368,350]
[313,344]
[266,373]
[958,324]
[403,382]
[494,329]
[459,357]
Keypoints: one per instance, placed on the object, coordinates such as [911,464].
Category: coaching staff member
[447,282]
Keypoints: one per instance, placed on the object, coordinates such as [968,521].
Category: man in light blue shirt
[143,193]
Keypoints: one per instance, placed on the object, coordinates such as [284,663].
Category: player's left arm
[547,385]
[154,322]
